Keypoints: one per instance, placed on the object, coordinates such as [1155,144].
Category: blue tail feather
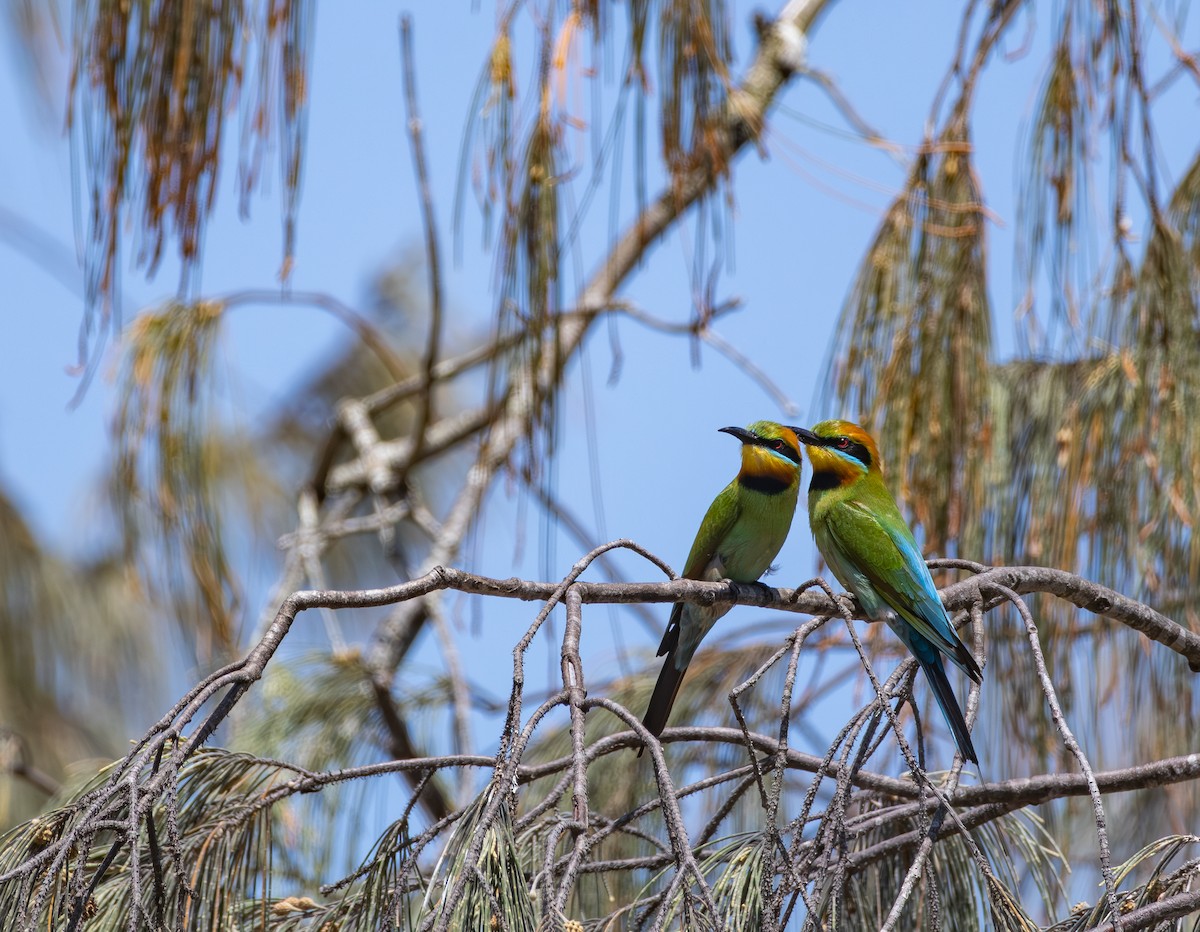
[935,672]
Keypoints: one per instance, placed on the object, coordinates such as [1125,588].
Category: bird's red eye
[843,443]
[776,444]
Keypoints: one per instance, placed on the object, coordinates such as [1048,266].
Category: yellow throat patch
[760,463]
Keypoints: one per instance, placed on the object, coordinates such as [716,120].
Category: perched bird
[739,537]
[872,552]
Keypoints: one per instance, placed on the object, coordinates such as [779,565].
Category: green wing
[690,627]
[888,560]
[718,521]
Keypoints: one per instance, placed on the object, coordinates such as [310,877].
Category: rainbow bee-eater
[739,537]
[864,539]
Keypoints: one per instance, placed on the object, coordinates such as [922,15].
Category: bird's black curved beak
[808,437]
[741,433]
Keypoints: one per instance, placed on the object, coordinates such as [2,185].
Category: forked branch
[907,813]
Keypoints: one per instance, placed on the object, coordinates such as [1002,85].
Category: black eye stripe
[784,448]
[852,448]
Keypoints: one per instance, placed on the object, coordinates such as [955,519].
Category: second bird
[862,536]
[739,537]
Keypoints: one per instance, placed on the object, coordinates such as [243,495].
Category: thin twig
[135,786]
[460,693]
[367,332]
[433,259]
[1064,731]
[14,760]
[772,67]
[573,683]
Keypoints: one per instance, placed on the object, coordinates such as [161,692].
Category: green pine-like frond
[951,892]
[200,852]
[384,893]
[71,631]
[153,84]
[1152,863]
[1053,207]
[734,869]
[694,56]
[170,459]
[493,883]
[318,712]
[914,336]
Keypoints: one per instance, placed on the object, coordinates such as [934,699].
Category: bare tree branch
[148,777]
[778,57]
[433,260]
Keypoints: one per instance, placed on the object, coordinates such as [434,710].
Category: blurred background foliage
[1076,450]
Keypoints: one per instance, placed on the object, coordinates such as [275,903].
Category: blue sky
[804,214]
[796,243]
[806,207]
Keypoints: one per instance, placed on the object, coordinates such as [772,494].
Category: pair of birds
[857,527]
